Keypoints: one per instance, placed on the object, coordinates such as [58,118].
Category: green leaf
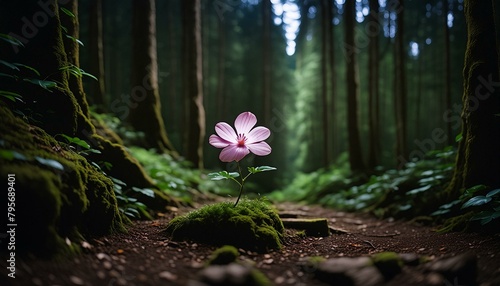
[11,40]
[10,95]
[118,181]
[486,216]
[458,137]
[493,193]
[12,66]
[419,190]
[7,75]
[476,201]
[145,191]
[11,155]
[45,84]
[50,163]
[28,67]
[254,170]
[67,12]
[75,40]
[77,141]
[472,190]
[223,175]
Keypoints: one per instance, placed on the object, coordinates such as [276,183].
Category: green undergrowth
[409,192]
[252,225]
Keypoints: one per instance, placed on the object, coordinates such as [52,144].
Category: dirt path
[143,256]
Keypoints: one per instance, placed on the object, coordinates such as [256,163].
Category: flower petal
[244,122]
[260,148]
[218,142]
[233,153]
[257,134]
[226,132]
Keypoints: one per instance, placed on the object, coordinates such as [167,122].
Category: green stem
[241,184]
[238,199]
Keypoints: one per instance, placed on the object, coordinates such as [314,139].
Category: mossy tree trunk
[60,193]
[193,82]
[70,35]
[478,159]
[145,111]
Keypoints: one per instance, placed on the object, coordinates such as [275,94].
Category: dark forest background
[301,96]
[388,107]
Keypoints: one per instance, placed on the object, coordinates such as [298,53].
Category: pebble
[167,275]
[76,280]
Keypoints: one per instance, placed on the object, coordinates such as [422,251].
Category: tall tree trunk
[373,92]
[96,54]
[221,70]
[266,60]
[72,48]
[478,159]
[352,76]
[301,36]
[325,28]
[193,82]
[57,201]
[145,112]
[333,83]
[173,113]
[400,89]
[447,71]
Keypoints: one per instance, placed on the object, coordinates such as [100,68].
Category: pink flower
[245,140]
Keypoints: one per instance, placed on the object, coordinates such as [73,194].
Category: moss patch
[59,195]
[251,225]
[224,255]
[388,263]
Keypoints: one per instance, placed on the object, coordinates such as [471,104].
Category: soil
[144,256]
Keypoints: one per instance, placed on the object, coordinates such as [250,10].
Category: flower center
[241,140]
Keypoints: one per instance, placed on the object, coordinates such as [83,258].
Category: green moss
[457,223]
[251,225]
[259,279]
[54,205]
[388,263]
[224,255]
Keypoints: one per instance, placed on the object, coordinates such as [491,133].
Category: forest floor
[144,256]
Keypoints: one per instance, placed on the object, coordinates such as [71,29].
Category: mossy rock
[251,225]
[388,263]
[60,196]
[224,255]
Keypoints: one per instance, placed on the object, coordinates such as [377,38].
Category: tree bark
[373,86]
[478,159]
[96,53]
[352,76]
[325,28]
[400,89]
[193,82]
[333,83]
[145,111]
[266,60]
[447,72]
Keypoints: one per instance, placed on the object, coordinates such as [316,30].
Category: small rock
[76,280]
[231,274]
[168,276]
[411,259]
[461,269]
[103,256]
[346,271]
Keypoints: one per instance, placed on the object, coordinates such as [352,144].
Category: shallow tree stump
[311,226]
